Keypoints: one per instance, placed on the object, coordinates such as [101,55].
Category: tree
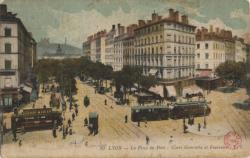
[232,71]
[148,81]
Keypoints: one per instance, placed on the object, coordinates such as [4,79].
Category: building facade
[17,57]
[109,46]
[119,48]
[240,50]
[212,49]
[164,47]
[94,47]
[86,48]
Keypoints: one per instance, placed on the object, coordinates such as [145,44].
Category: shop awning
[205,73]
[171,91]
[26,88]
[153,71]
[191,90]
[157,90]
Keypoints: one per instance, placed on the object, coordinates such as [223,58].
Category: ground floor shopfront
[9,99]
[176,88]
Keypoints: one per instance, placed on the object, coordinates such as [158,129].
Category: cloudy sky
[76,19]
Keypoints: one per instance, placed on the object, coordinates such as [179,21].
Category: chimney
[121,29]
[154,17]
[3,9]
[184,19]
[171,14]
[211,28]
[113,27]
[217,30]
[141,22]
[176,16]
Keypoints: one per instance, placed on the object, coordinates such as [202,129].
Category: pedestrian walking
[76,111]
[54,132]
[69,122]
[199,127]
[73,116]
[33,106]
[70,131]
[70,106]
[126,118]
[85,122]
[138,123]
[147,140]
[20,143]
[105,102]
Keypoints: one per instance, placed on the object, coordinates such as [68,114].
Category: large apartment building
[17,58]
[164,46]
[94,47]
[109,46]
[214,47]
[240,50]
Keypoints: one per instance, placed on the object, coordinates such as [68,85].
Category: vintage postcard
[124,78]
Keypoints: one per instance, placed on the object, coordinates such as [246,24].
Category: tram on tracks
[35,119]
[174,111]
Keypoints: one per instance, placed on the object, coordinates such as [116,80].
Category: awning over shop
[191,90]
[171,91]
[153,71]
[26,88]
[205,73]
[157,90]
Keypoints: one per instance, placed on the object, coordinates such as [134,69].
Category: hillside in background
[45,48]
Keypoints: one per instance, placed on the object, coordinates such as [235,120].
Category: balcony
[7,72]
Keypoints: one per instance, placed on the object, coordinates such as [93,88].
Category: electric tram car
[175,111]
[31,119]
[149,113]
[190,109]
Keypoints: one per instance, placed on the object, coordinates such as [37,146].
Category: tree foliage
[232,71]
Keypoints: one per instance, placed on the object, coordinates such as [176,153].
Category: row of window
[158,27]
[206,46]
[157,39]
[215,56]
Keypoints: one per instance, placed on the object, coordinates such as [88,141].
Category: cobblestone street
[114,133]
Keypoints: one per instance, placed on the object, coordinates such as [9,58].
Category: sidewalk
[213,131]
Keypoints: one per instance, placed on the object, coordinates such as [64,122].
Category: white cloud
[238,13]
[76,27]
[215,22]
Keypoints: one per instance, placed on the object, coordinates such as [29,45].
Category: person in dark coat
[20,143]
[199,127]
[73,116]
[147,140]
[76,111]
[126,118]
[85,122]
[69,122]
